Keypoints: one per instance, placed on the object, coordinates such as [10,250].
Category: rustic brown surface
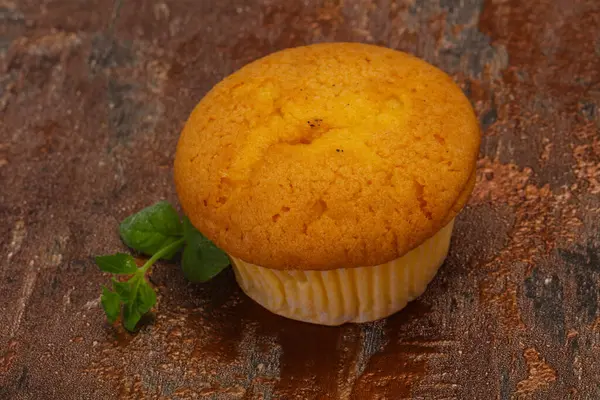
[93,95]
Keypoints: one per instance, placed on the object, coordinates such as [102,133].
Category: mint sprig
[158,232]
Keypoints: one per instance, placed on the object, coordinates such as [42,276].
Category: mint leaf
[119,263]
[111,304]
[152,229]
[158,232]
[131,316]
[123,289]
[146,297]
[141,299]
[201,260]
[135,296]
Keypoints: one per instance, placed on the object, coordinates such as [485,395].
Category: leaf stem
[165,250]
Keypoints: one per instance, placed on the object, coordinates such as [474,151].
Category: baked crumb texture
[328,156]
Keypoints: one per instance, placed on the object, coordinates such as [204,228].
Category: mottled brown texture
[93,96]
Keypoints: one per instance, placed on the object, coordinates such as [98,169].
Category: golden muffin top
[327,156]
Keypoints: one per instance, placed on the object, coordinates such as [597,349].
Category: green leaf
[131,317]
[152,229]
[123,289]
[146,297]
[111,303]
[201,260]
[141,299]
[119,263]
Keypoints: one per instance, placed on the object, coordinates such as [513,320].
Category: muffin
[331,174]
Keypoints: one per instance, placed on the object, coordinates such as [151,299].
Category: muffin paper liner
[343,295]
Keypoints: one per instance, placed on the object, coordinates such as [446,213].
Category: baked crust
[327,156]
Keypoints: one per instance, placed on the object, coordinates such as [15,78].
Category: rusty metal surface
[93,95]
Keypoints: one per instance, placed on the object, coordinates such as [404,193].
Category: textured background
[93,95]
